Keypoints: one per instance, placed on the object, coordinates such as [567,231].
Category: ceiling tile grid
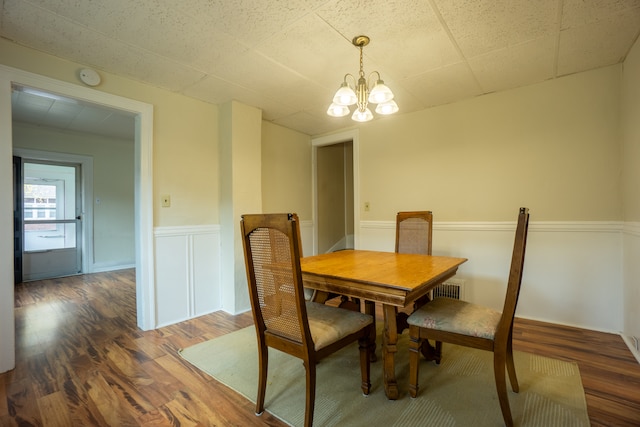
[287,57]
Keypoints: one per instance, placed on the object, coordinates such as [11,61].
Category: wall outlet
[166,201]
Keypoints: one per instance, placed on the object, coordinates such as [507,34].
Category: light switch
[166,201]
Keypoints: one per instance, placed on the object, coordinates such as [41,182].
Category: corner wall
[630,137]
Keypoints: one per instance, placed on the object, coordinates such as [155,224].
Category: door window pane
[40,237]
[49,194]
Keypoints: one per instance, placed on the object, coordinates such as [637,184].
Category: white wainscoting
[188,280]
[572,273]
[187,272]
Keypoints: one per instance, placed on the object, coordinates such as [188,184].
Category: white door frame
[145,281]
[349,135]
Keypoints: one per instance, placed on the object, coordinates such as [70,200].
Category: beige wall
[552,147]
[185,137]
[630,132]
[286,171]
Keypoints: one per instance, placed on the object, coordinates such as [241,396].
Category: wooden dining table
[394,280]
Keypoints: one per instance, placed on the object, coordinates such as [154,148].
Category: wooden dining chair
[284,320]
[413,232]
[466,324]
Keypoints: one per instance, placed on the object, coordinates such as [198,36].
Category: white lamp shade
[362,116]
[386,108]
[345,95]
[336,110]
[380,93]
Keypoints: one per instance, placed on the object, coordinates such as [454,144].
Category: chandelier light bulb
[362,116]
[380,93]
[387,108]
[336,110]
[345,95]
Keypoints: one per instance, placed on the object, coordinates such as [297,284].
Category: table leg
[370,308]
[389,349]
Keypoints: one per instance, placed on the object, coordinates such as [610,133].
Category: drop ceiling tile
[599,44]
[249,21]
[444,85]
[274,80]
[60,37]
[515,66]
[61,114]
[312,124]
[421,44]
[580,12]
[406,96]
[215,90]
[312,48]
[34,102]
[212,89]
[480,26]
[116,125]
[154,26]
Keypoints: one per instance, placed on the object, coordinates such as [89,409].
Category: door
[17,220]
[52,220]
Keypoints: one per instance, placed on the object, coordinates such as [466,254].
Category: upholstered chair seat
[460,317]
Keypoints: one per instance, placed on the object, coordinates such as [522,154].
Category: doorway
[143,161]
[334,177]
[51,211]
[336,215]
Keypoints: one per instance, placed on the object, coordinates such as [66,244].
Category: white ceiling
[48,110]
[288,57]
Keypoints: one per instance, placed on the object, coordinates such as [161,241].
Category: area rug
[458,392]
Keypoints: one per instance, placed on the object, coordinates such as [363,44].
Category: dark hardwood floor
[81,361]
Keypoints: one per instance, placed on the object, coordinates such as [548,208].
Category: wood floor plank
[22,406]
[82,410]
[82,361]
[108,402]
[53,409]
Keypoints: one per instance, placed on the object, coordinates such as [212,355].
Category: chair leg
[415,343]
[310,367]
[501,387]
[263,364]
[511,368]
[438,355]
[365,364]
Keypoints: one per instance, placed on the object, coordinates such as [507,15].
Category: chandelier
[361,92]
